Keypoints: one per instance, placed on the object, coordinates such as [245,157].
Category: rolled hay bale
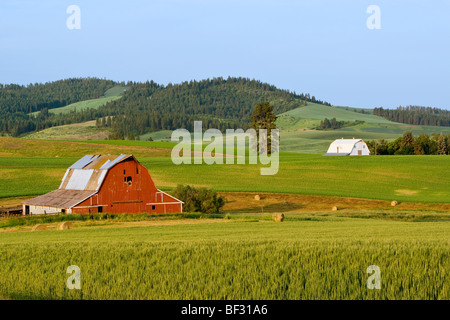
[394,203]
[335,208]
[257,197]
[65,225]
[39,227]
[278,217]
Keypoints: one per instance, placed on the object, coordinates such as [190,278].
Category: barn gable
[105,183]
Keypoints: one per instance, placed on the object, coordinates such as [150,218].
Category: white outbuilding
[348,147]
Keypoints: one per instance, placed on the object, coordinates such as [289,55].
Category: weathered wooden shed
[105,183]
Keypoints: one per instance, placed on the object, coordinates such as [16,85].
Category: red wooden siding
[128,188]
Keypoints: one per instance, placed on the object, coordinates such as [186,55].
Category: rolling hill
[298,132]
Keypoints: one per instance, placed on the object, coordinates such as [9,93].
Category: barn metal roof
[81,180]
[89,172]
[342,146]
[60,198]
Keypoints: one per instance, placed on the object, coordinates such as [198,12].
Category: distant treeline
[333,124]
[145,107]
[408,144]
[416,115]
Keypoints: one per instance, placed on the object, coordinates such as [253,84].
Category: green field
[288,120]
[240,254]
[296,259]
[401,178]
[77,131]
[83,105]
[110,95]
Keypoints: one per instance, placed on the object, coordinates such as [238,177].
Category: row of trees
[416,115]
[408,144]
[333,124]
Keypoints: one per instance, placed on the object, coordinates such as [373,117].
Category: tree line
[409,144]
[334,124]
[416,115]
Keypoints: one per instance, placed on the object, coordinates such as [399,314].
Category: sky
[338,51]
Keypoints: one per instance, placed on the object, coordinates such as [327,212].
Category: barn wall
[42,210]
[360,146]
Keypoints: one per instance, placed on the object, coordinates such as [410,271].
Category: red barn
[105,183]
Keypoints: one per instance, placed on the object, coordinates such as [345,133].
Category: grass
[401,178]
[13,147]
[301,259]
[83,105]
[78,131]
[319,112]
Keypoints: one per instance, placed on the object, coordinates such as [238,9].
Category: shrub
[199,200]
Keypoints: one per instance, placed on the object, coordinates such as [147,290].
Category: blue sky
[319,46]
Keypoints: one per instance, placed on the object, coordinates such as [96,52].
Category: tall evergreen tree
[264,118]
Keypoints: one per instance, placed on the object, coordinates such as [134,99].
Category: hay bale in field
[39,227]
[65,225]
[394,203]
[278,217]
[335,208]
[257,197]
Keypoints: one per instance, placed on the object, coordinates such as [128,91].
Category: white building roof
[342,146]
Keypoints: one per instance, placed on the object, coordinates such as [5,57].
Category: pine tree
[264,118]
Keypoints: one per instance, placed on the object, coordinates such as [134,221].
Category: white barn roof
[345,147]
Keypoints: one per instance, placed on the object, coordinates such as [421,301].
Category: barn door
[359,152]
[337,148]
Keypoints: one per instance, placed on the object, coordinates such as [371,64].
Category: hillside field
[402,178]
[298,132]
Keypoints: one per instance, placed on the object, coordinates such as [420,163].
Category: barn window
[128,180]
[153,207]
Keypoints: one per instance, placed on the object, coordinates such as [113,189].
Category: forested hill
[16,101]
[416,115]
[35,97]
[219,103]
[144,107]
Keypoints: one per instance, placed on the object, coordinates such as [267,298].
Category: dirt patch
[239,202]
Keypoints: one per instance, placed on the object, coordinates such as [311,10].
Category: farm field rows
[321,259]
